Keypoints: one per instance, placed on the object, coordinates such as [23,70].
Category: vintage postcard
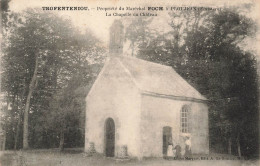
[129,82]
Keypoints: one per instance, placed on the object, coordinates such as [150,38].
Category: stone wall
[113,95]
[200,129]
[159,112]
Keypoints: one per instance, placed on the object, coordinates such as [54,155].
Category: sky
[99,24]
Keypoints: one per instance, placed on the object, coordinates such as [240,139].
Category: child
[178,151]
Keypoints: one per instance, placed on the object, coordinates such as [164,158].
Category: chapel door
[110,138]
[167,136]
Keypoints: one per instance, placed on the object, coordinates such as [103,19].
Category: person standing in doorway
[170,148]
[187,147]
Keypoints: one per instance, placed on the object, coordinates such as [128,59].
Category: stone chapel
[135,106]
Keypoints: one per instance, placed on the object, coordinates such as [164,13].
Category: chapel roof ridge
[147,61]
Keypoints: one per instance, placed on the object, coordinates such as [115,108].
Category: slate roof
[159,79]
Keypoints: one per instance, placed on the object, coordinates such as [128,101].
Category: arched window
[185,118]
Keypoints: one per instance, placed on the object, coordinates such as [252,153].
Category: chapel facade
[135,107]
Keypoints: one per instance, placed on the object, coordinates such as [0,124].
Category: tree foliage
[43,55]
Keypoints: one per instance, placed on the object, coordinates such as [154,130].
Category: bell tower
[116,38]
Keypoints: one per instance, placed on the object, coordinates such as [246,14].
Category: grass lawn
[76,158]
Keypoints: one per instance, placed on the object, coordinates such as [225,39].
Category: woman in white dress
[170,148]
[187,147]
[170,151]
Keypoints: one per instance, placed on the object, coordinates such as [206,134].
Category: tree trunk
[18,124]
[229,145]
[133,47]
[4,139]
[19,117]
[2,148]
[61,147]
[17,133]
[32,86]
[238,146]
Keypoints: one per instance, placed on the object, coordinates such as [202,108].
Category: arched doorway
[167,138]
[110,138]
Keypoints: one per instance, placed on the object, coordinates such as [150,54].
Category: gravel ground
[73,158]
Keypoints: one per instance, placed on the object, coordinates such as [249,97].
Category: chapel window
[185,118]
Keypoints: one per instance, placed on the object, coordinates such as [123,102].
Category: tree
[138,33]
[68,104]
[41,55]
